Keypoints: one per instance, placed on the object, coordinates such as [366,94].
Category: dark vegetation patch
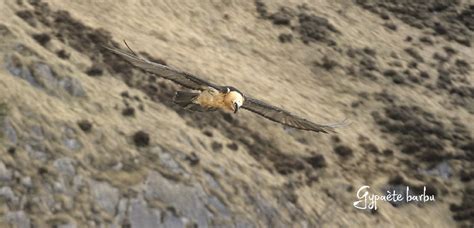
[11,150]
[42,38]
[5,31]
[385,97]
[452,78]
[414,54]
[449,50]
[394,76]
[207,133]
[91,42]
[217,146]
[141,139]
[364,63]
[426,40]
[447,18]
[193,159]
[369,147]
[128,111]
[285,37]
[327,63]
[417,132]
[261,9]
[85,125]
[390,25]
[467,17]
[462,66]
[63,54]
[310,27]
[413,65]
[335,139]
[464,212]
[424,74]
[316,29]
[95,70]
[420,133]
[27,16]
[42,171]
[233,146]
[282,17]
[317,161]
[387,152]
[343,151]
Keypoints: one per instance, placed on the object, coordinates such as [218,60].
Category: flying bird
[211,97]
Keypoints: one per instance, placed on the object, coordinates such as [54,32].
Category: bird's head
[234,99]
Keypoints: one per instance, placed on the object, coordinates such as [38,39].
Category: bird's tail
[184,98]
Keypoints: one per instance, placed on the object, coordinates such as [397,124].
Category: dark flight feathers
[192,82]
[286,118]
[177,76]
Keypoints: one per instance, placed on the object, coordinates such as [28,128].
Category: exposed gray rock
[443,170]
[105,195]
[70,140]
[5,173]
[26,181]
[69,132]
[42,76]
[242,223]
[211,181]
[156,150]
[266,211]
[172,221]
[78,182]
[47,200]
[9,131]
[118,166]
[68,225]
[34,144]
[65,166]
[37,132]
[141,216]
[188,200]
[120,218]
[167,161]
[68,202]
[73,87]
[59,187]
[220,208]
[18,219]
[36,151]
[45,76]
[72,144]
[7,193]
[15,66]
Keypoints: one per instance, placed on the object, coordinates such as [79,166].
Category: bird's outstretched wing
[185,79]
[286,118]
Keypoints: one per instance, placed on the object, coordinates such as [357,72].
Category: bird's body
[211,97]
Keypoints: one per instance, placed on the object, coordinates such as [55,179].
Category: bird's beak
[236,108]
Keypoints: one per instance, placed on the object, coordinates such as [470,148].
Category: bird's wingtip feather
[331,128]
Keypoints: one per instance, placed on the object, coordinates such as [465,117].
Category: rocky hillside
[86,140]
